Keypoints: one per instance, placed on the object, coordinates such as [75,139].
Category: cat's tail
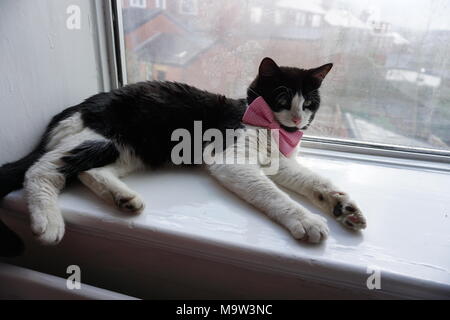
[12,176]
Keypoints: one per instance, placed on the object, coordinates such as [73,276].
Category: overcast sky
[416,14]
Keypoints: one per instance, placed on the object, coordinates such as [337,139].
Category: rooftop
[306,6]
[345,19]
[173,49]
[133,18]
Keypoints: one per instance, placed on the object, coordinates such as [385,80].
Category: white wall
[44,67]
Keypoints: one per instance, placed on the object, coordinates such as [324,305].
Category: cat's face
[291,93]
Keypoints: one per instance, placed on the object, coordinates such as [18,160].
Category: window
[278,17]
[390,84]
[149,72]
[316,21]
[138,3]
[300,19]
[188,7]
[256,14]
[160,4]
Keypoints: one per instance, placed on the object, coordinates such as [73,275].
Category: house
[284,19]
[170,53]
[196,15]
[155,4]
[159,46]
[300,13]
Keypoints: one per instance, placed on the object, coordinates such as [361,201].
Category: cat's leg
[105,183]
[320,191]
[45,179]
[249,183]
[43,183]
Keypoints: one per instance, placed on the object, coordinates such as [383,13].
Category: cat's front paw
[347,212]
[129,203]
[48,228]
[311,228]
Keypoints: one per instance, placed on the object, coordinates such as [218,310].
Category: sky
[413,14]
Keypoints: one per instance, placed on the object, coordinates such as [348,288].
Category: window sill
[227,249]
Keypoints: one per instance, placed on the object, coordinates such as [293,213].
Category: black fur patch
[144,115]
[12,174]
[88,155]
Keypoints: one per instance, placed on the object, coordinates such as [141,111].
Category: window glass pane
[391,78]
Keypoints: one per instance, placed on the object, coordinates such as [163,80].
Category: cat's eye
[282,96]
[283,102]
[307,103]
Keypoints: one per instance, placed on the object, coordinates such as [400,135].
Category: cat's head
[291,93]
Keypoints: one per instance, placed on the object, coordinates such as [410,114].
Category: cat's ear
[268,68]
[320,73]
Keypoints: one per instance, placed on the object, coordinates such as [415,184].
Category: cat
[111,135]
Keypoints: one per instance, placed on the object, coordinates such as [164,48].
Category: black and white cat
[114,134]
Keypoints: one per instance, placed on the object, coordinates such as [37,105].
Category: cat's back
[146,114]
[171,102]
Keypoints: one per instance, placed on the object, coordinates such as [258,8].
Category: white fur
[285,117]
[250,183]
[321,192]
[105,182]
[65,128]
[43,182]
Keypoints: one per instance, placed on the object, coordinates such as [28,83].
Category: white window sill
[189,215]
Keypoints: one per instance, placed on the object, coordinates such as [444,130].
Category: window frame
[115,36]
[301,19]
[256,15]
[138,4]
[161,4]
[114,33]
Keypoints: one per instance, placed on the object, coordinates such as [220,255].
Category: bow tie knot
[259,114]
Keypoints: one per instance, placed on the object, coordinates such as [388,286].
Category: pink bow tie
[259,114]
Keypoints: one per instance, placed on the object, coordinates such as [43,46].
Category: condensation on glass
[390,83]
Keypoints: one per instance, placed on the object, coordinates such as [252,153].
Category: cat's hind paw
[48,229]
[129,203]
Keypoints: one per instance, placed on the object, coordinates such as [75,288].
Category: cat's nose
[297,120]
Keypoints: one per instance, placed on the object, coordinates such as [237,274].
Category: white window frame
[301,19]
[138,4]
[256,14]
[316,21]
[149,72]
[161,4]
[118,76]
[278,17]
